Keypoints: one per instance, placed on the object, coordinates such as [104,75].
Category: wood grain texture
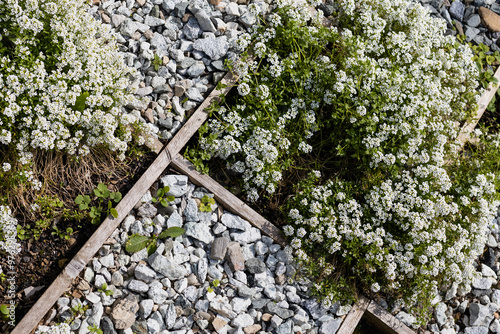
[42,306]
[354,316]
[227,199]
[483,103]
[385,321]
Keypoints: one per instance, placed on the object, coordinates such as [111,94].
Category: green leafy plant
[197,157]
[62,234]
[4,312]
[215,283]
[76,311]
[137,242]
[162,197]
[157,62]
[51,209]
[94,329]
[23,232]
[104,289]
[105,200]
[485,60]
[206,202]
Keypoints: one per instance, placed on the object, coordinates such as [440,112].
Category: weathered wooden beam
[483,103]
[351,321]
[385,321]
[227,199]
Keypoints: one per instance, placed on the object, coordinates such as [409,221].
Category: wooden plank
[63,281]
[385,321]
[227,199]
[483,103]
[354,316]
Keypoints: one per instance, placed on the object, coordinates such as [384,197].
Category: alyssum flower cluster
[62,80]
[375,99]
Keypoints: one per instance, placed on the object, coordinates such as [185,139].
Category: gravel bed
[479,20]
[170,290]
[191,40]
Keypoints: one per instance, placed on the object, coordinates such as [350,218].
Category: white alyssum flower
[49,97]
[243,89]
[8,228]
[62,328]
[6,166]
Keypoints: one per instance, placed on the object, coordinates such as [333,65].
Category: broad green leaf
[172,232]
[97,192]
[151,248]
[113,212]
[118,196]
[79,199]
[160,192]
[136,242]
[170,198]
[102,187]
[4,309]
[164,202]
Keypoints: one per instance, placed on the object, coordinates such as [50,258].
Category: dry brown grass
[65,177]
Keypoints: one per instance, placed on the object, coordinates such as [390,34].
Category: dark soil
[41,261]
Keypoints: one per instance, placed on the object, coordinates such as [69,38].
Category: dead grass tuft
[65,177]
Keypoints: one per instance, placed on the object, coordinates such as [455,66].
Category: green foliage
[214,284]
[95,329]
[104,207]
[484,60]
[62,234]
[197,157]
[104,289]
[4,312]
[23,233]
[206,201]
[162,197]
[51,209]
[77,311]
[157,62]
[137,242]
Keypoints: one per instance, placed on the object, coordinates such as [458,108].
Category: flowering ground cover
[360,113]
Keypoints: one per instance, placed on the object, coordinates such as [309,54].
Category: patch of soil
[41,261]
